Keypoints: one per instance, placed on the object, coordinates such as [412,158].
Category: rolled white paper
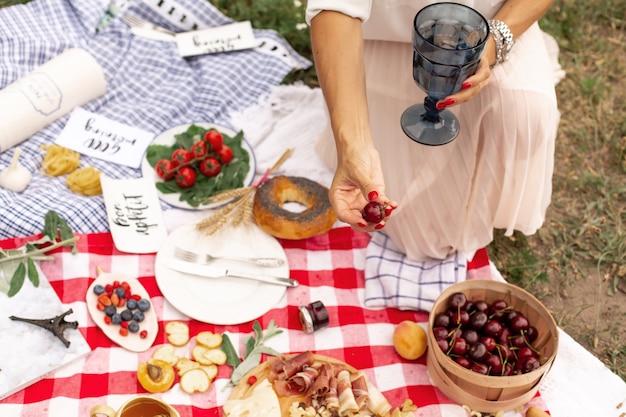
[51,91]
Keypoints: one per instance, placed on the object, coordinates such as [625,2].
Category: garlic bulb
[15,177]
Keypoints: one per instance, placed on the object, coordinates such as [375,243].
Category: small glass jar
[313,316]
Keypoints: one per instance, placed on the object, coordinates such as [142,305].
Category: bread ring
[317,218]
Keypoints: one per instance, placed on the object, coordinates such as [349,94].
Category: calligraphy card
[226,38]
[134,214]
[100,137]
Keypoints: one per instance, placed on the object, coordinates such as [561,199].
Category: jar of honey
[313,316]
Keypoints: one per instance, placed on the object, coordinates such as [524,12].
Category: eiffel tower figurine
[56,325]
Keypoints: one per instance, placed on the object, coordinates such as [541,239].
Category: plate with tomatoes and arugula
[193,162]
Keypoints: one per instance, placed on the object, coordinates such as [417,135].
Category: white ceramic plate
[167,138]
[132,341]
[222,300]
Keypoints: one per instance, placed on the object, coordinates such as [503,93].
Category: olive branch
[20,263]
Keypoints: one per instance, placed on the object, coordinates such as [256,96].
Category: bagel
[269,214]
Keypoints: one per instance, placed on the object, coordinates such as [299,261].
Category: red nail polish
[466,85]
[373,195]
[388,211]
[449,101]
[441,106]
[361,224]
[379,226]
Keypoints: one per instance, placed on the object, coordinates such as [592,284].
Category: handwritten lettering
[100,137]
[131,212]
[216,44]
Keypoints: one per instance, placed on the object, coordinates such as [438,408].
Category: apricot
[409,340]
[156,375]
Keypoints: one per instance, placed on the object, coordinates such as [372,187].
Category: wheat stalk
[240,210]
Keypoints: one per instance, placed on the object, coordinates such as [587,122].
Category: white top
[390,20]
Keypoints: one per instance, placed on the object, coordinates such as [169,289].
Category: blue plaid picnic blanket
[149,86]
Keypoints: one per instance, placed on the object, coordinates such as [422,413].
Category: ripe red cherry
[373,212]
[495,364]
[463,361]
[442,320]
[471,336]
[493,328]
[480,368]
[478,320]
[477,352]
[440,332]
[457,301]
[459,346]
[531,334]
[461,317]
[527,364]
[519,323]
[489,342]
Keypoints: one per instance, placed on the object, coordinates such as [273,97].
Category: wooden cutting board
[243,389]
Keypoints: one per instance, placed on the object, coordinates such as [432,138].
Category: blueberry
[143,304]
[110,310]
[98,289]
[127,315]
[138,316]
[131,304]
[133,327]
[121,292]
[116,318]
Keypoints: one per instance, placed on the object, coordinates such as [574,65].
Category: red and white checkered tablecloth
[329,268]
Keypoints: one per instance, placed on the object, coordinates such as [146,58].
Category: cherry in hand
[373,212]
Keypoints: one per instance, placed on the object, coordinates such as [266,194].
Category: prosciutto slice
[360,391]
[347,402]
[282,369]
[331,399]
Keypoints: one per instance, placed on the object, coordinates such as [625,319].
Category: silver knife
[212,272]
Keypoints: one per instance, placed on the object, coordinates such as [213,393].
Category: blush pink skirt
[496,174]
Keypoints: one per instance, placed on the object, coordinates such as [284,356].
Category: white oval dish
[132,341]
[168,138]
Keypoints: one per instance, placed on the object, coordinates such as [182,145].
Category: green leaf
[232,358]
[246,366]
[17,280]
[267,350]
[250,345]
[33,274]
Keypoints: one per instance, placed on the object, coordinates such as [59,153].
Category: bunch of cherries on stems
[487,338]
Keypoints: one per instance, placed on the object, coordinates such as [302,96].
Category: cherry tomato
[215,140]
[165,169]
[181,156]
[200,149]
[210,166]
[185,177]
[225,154]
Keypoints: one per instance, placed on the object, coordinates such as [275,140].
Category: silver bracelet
[503,37]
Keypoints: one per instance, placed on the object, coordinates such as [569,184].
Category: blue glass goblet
[448,42]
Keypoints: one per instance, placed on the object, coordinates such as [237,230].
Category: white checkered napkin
[392,280]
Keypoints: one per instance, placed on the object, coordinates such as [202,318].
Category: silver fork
[205,258]
[135,22]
